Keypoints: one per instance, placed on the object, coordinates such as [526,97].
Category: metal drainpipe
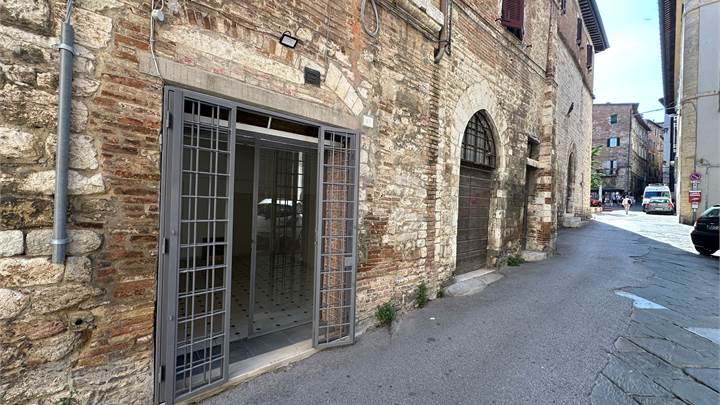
[60,238]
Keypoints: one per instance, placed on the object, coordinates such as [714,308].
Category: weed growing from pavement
[385,314]
[70,399]
[515,260]
[421,296]
[440,293]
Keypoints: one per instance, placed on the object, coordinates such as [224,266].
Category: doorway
[258,238]
[477,164]
[273,250]
[570,184]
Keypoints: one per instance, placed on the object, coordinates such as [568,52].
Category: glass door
[283,260]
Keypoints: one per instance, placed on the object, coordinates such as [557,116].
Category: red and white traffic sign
[695,196]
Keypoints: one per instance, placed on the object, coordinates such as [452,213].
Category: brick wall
[88,325]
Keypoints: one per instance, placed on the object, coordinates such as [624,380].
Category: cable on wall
[155,15]
[363,22]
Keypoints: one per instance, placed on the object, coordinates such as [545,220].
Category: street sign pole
[695,194]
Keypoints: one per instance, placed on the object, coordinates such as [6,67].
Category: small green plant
[385,314]
[70,399]
[515,260]
[441,292]
[421,296]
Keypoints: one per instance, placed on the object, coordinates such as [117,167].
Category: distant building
[622,134]
[655,152]
[691,82]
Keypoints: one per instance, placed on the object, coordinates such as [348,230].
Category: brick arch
[480,97]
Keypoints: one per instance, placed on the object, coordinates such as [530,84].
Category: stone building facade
[656,141]
[93,326]
[622,134]
[689,48]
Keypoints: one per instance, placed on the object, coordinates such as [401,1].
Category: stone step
[571,221]
[533,255]
[473,282]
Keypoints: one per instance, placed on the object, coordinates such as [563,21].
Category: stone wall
[88,326]
[699,119]
[573,145]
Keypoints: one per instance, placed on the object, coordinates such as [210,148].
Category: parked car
[659,205]
[706,234]
[595,203]
[654,191]
[280,222]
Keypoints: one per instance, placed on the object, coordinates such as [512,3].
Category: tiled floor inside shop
[282,310]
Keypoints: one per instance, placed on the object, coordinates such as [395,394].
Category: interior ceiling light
[288,40]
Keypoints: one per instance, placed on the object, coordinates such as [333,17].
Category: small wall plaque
[312,77]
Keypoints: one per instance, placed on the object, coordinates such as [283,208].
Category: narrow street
[549,332]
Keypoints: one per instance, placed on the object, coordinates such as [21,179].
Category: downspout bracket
[66,47]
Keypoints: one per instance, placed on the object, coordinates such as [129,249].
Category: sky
[630,70]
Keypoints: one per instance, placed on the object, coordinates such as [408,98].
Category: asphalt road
[547,332]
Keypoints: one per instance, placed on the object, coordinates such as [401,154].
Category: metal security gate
[198,167]
[195,269]
[334,322]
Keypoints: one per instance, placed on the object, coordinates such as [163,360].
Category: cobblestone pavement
[669,352]
[623,314]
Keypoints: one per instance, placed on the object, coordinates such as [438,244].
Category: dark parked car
[706,235]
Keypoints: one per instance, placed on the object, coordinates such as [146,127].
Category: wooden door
[473,218]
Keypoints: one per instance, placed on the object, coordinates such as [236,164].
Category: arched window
[478,146]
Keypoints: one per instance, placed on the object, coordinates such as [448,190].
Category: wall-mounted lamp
[288,40]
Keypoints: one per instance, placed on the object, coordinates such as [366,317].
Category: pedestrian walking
[626,203]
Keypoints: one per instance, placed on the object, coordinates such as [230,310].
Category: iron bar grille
[337,254]
[204,225]
[478,146]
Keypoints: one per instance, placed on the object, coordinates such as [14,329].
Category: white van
[655,191]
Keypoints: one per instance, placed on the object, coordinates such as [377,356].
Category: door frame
[168,242]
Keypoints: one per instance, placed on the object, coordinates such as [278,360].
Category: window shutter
[513,13]
[579,32]
[608,142]
[590,55]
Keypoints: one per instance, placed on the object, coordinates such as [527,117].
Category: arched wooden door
[569,186]
[477,164]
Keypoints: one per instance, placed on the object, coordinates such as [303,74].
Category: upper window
[478,146]
[563,6]
[513,16]
[589,57]
[613,142]
[613,118]
[578,37]
[610,167]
